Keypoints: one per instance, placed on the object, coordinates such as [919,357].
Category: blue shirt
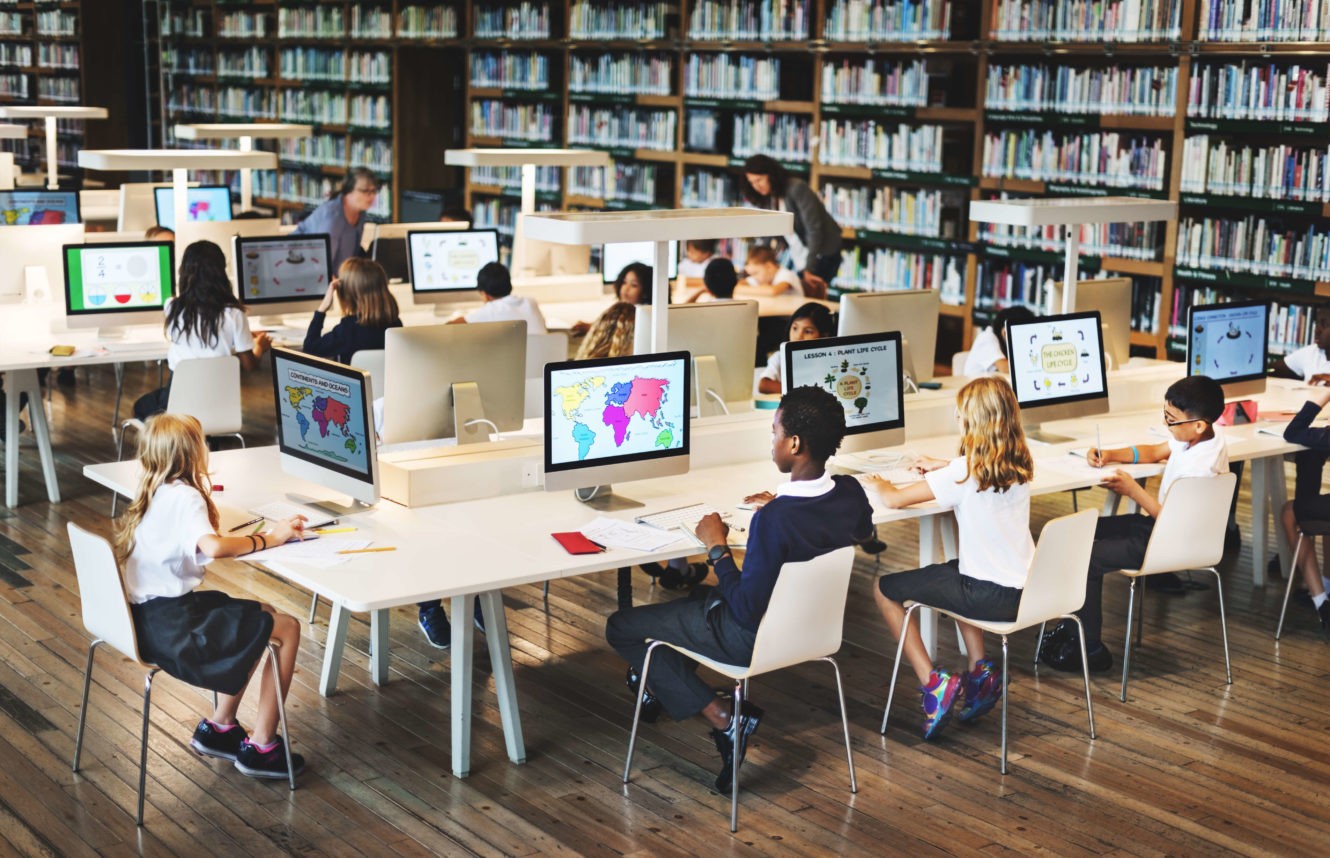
[330,218]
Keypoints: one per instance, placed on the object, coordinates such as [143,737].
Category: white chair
[803,623]
[958,362]
[1189,534]
[107,618]
[1054,589]
[1308,530]
[540,350]
[371,361]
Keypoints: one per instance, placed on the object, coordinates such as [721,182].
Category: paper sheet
[1075,465]
[897,476]
[321,552]
[615,533]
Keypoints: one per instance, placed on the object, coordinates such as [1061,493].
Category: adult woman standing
[815,244]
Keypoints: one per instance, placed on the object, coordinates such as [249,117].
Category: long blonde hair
[612,333]
[363,293]
[992,438]
[171,448]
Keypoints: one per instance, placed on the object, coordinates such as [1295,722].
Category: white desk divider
[9,132]
[51,114]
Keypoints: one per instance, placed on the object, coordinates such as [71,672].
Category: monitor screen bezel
[630,458]
[452,233]
[362,378]
[66,249]
[167,193]
[792,348]
[1061,400]
[72,195]
[239,243]
[1231,305]
[672,272]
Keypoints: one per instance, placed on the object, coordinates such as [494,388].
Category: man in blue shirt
[809,516]
[343,216]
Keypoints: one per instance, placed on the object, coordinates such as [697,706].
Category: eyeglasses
[370,191]
[1172,423]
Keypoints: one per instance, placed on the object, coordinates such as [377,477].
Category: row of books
[370,67]
[253,63]
[242,25]
[1001,284]
[311,22]
[625,181]
[1264,20]
[515,21]
[188,98]
[318,150]
[192,61]
[510,70]
[14,85]
[1290,324]
[621,73]
[887,20]
[1254,245]
[373,152]
[513,121]
[371,22]
[185,23]
[783,136]
[1125,240]
[631,128]
[1281,172]
[879,269]
[900,83]
[1260,90]
[312,64]
[702,130]
[732,76]
[325,108]
[427,22]
[704,188]
[57,56]
[617,20]
[750,20]
[499,214]
[65,89]
[1086,20]
[238,102]
[886,208]
[1097,158]
[11,24]
[57,23]
[15,54]
[510,178]
[880,145]
[1125,90]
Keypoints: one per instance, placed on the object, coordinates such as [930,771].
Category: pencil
[1098,443]
[246,524]
[257,528]
[366,550]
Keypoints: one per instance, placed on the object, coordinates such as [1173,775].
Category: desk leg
[462,658]
[1260,491]
[338,619]
[119,391]
[1277,485]
[928,556]
[378,647]
[11,447]
[21,382]
[501,662]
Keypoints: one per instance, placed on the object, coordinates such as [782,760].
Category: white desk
[528,160]
[51,115]
[246,133]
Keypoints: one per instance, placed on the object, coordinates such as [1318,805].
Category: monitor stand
[1034,433]
[604,499]
[469,415]
[706,381]
[331,507]
[270,322]
[110,334]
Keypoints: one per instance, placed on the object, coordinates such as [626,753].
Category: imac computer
[138,206]
[444,265]
[1112,298]
[721,337]
[38,208]
[33,261]
[533,258]
[615,420]
[1228,343]
[386,243]
[1057,370]
[453,381]
[278,274]
[205,204]
[109,286]
[325,428]
[614,257]
[913,312]
[863,372]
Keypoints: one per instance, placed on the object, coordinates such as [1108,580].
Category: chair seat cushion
[205,637]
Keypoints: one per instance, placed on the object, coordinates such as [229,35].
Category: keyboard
[119,346]
[898,476]
[669,519]
[283,510]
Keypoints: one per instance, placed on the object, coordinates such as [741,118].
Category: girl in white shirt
[988,487]
[203,637]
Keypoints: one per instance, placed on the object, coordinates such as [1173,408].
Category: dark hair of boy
[455,215]
[816,418]
[705,245]
[1197,396]
[494,280]
[720,278]
[819,315]
[1014,314]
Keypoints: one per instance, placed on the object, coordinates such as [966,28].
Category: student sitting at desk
[1308,503]
[204,319]
[1191,407]
[988,486]
[766,276]
[1310,365]
[812,321]
[988,352]
[455,215]
[812,514]
[718,282]
[632,286]
[697,252]
[612,333]
[368,309]
[501,305]
[157,232]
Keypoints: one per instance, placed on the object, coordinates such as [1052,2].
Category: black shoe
[1274,570]
[1166,582]
[1068,658]
[252,762]
[434,623]
[1324,613]
[654,570]
[686,578]
[1232,539]
[65,377]
[873,545]
[211,742]
[1054,638]
[748,719]
[478,618]
[651,705]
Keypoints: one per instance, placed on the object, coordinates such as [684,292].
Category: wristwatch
[716,552]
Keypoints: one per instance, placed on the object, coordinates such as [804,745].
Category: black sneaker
[1232,539]
[211,742]
[434,623]
[873,545]
[748,719]
[1054,638]
[1068,658]
[651,705]
[478,618]
[1324,613]
[1166,582]
[252,762]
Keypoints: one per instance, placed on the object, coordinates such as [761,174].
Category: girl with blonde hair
[612,333]
[368,309]
[988,487]
[203,637]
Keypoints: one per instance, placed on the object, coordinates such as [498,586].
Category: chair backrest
[101,592]
[958,362]
[209,390]
[1189,533]
[806,614]
[371,361]
[540,350]
[1055,584]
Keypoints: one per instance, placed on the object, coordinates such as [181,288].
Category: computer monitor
[138,207]
[282,273]
[1112,298]
[205,204]
[33,261]
[1057,370]
[387,243]
[450,381]
[535,258]
[722,337]
[613,257]
[444,265]
[613,420]
[913,312]
[1228,343]
[38,208]
[325,429]
[112,285]
[864,374]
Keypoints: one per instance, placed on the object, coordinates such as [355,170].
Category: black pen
[597,544]
[246,524]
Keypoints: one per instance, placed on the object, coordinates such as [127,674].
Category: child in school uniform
[766,276]
[1310,365]
[612,333]
[203,637]
[368,309]
[718,282]
[632,286]
[495,285]
[1191,407]
[697,253]
[1308,503]
[988,486]
[812,321]
[988,352]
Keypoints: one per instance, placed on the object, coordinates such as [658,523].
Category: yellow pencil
[366,550]
[258,527]
[325,531]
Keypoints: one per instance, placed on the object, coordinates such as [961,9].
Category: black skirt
[205,637]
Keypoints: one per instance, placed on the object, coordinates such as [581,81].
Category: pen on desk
[246,524]
[367,550]
[325,531]
[597,544]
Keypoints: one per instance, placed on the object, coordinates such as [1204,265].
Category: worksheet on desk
[321,552]
[1074,465]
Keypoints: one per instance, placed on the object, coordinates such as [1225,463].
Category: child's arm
[894,498]
[1299,429]
[249,360]
[1141,454]
[694,295]
[750,288]
[1124,484]
[768,385]
[215,545]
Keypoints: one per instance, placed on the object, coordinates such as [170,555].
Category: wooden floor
[1187,766]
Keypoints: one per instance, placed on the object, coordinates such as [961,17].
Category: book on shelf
[884,208]
[1263,21]
[703,188]
[1064,21]
[1115,90]
[623,182]
[887,20]
[1281,171]
[598,19]
[524,70]
[783,136]
[875,81]
[732,76]
[880,145]
[1254,244]
[427,22]
[1262,90]
[1100,158]
[876,269]
[749,20]
[515,121]
[512,21]
[622,128]
[621,73]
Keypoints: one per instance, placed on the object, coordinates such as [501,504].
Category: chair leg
[1140,618]
[1288,588]
[546,595]
[313,607]
[143,750]
[1085,671]
[844,721]
[1126,644]
[637,709]
[1223,623]
[1037,642]
[900,648]
[1005,703]
[83,709]
[739,688]
[281,712]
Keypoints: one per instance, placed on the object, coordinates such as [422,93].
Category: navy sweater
[1300,431]
[791,530]
[344,340]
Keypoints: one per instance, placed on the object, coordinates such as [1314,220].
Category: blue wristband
[1135,455]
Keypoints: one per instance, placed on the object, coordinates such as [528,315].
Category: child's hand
[262,342]
[924,464]
[283,532]
[759,500]
[878,482]
[712,530]
[1097,458]
[1119,481]
[1320,396]
[1321,379]
[326,304]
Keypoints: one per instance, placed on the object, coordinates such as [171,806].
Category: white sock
[1318,601]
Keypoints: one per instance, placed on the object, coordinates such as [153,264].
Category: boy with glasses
[343,216]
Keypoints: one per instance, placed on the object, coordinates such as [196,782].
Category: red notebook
[575,543]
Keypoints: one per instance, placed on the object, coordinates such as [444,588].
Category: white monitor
[113,285]
[864,374]
[440,378]
[386,243]
[615,257]
[722,337]
[205,204]
[33,261]
[1057,369]
[282,273]
[613,420]
[1228,343]
[222,234]
[138,207]
[1112,298]
[913,312]
[444,265]
[325,429]
[38,208]
[535,258]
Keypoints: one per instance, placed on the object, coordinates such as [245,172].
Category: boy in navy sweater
[812,514]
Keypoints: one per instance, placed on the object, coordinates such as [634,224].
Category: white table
[246,133]
[51,114]
[528,160]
